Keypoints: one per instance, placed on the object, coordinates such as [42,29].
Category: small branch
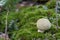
[6,22]
[56,14]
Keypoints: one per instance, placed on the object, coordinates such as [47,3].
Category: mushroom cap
[43,24]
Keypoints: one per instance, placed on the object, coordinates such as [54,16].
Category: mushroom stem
[40,31]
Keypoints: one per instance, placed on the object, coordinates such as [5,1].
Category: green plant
[51,4]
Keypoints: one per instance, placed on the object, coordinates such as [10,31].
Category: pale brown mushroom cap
[43,24]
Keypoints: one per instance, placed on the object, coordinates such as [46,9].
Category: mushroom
[43,24]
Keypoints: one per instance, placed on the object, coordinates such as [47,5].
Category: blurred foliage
[51,4]
[25,20]
[11,4]
[1,39]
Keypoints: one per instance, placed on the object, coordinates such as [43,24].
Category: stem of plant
[56,14]
[6,22]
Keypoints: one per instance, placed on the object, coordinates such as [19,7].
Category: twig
[6,23]
[56,14]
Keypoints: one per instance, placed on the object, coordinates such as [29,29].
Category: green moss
[27,19]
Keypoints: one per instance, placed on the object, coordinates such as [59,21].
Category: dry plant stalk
[6,22]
